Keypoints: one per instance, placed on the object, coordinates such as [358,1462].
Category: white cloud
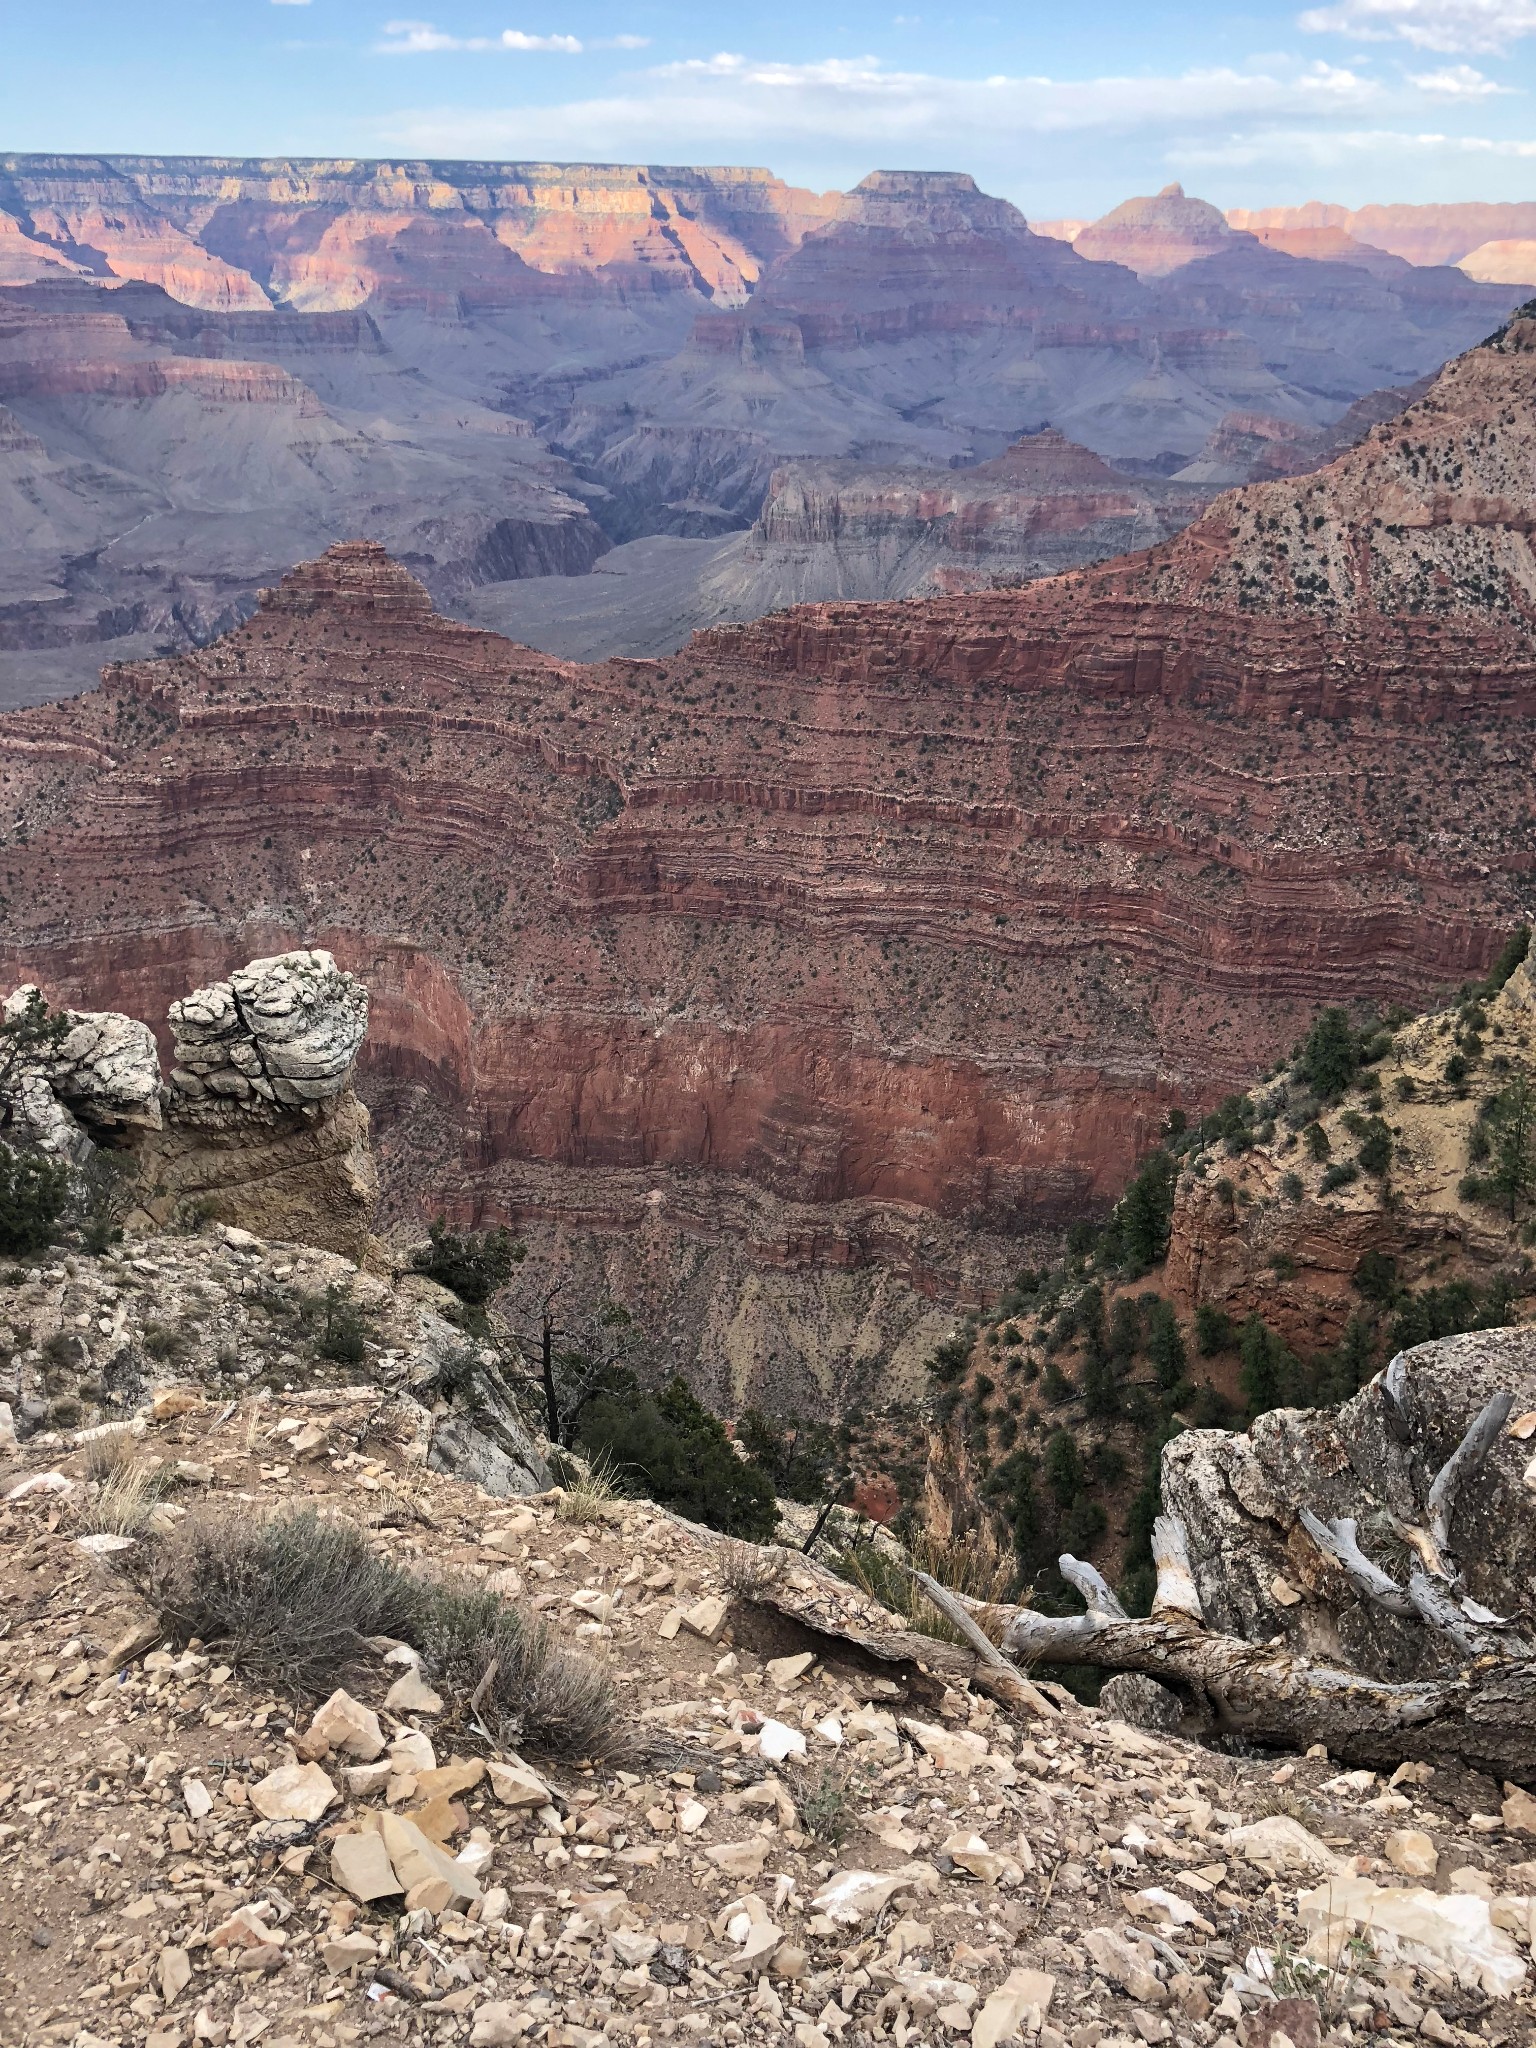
[290,3]
[732,98]
[1324,149]
[1482,27]
[1457,82]
[420,38]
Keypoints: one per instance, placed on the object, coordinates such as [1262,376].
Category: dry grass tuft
[978,1566]
[589,1491]
[123,1488]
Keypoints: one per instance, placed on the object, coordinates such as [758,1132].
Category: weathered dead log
[1480,1714]
[1005,1676]
[828,1606]
[1470,1695]
[1484,1719]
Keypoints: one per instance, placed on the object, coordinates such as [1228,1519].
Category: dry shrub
[293,1600]
[749,1569]
[828,1800]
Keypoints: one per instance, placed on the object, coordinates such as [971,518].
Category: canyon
[211,369]
[792,987]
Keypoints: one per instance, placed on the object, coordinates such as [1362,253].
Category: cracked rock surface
[284,1031]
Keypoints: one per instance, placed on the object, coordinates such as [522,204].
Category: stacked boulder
[258,1125]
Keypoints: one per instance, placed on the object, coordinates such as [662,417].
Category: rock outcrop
[1509,262]
[1286,1229]
[279,1034]
[257,1125]
[700,1665]
[100,1079]
[1261,1575]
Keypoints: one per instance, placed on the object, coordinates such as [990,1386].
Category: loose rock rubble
[800,1843]
[83,1339]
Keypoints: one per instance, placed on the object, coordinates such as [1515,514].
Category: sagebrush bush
[293,1600]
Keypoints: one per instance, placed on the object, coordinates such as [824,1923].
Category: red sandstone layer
[931,908]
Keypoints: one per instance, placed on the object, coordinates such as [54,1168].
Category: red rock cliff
[862,935]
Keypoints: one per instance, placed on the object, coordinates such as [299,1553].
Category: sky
[1064,109]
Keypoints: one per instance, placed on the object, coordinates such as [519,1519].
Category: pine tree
[1165,1344]
[1063,1468]
[1268,1370]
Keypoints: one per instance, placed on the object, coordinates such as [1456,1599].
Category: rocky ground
[789,1840]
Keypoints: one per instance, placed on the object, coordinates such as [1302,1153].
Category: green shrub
[1291,1187]
[800,1457]
[1315,1138]
[1330,1054]
[343,1328]
[1165,1344]
[1375,1154]
[1213,1330]
[1063,1468]
[473,1264]
[1055,1387]
[34,1193]
[1269,1372]
[1375,1277]
[103,1196]
[1450,1310]
[1136,1235]
[669,1447]
[1339,1175]
[949,1360]
[1505,1135]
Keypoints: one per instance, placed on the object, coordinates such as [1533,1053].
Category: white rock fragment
[1453,1929]
[777,1740]
[850,1896]
[293,1792]
[346,1726]
[1018,2006]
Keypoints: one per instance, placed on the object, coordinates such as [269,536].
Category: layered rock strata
[890,930]
[830,530]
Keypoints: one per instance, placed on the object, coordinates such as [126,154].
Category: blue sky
[1064,109]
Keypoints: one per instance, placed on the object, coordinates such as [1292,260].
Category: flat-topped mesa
[936,202]
[351,576]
